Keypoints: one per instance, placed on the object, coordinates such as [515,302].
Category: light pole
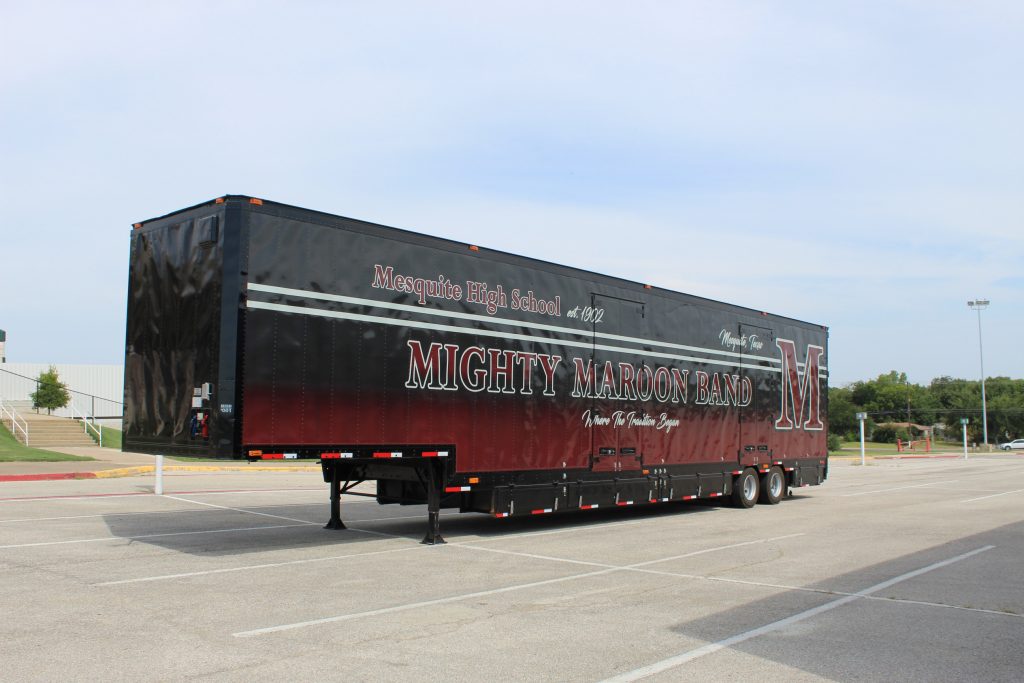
[979,305]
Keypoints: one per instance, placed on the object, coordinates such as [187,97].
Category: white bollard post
[862,417]
[158,489]
[963,421]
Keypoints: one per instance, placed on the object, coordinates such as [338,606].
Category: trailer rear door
[617,444]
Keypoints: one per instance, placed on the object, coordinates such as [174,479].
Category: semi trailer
[457,376]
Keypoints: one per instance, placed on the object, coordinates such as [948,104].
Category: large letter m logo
[801,393]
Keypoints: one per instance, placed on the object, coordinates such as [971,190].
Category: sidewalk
[110,462]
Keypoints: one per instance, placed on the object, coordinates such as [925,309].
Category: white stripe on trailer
[458,315]
[416,324]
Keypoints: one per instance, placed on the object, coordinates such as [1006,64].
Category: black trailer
[454,375]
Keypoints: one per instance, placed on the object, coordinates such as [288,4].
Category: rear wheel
[773,485]
[745,489]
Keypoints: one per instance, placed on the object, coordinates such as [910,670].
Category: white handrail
[13,417]
[75,415]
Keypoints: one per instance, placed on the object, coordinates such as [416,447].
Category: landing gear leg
[433,483]
[335,521]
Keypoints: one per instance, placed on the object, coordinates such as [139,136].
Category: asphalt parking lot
[901,570]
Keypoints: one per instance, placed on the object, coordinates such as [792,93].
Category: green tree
[1005,399]
[842,412]
[50,392]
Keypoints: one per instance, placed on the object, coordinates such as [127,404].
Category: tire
[773,486]
[745,489]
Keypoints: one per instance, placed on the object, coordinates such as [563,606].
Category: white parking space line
[672,662]
[94,516]
[150,494]
[108,539]
[250,512]
[87,496]
[346,499]
[606,569]
[899,488]
[251,567]
[825,591]
[994,495]
[637,565]
[564,530]
[417,605]
[290,519]
[164,577]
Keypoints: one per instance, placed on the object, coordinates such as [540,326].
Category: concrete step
[42,442]
[55,432]
[46,430]
[56,426]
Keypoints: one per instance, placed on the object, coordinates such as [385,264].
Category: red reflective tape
[434,454]
[589,507]
[329,456]
[387,454]
[715,494]
[738,472]
[653,500]
[456,489]
[689,497]
[272,456]
[625,502]
[501,514]
[540,512]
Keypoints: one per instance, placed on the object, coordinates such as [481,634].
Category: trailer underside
[432,481]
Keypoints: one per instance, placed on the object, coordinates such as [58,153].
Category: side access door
[755,418]
[616,435]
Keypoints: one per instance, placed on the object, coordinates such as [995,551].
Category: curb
[147,469]
[123,472]
[940,456]
[47,476]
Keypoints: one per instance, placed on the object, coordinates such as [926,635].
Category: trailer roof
[256,203]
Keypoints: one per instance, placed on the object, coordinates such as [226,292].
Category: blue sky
[855,164]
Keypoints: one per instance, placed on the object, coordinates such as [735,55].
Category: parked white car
[1015,445]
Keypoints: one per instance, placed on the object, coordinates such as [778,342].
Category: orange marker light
[474,480]
[218,200]
[473,247]
[257,202]
[137,226]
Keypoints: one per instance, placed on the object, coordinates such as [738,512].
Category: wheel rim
[775,485]
[749,487]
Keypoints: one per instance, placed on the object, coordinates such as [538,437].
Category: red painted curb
[915,457]
[48,475]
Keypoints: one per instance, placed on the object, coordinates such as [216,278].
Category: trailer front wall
[357,334]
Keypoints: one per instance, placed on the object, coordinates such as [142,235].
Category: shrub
[884,434]
[834,443]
